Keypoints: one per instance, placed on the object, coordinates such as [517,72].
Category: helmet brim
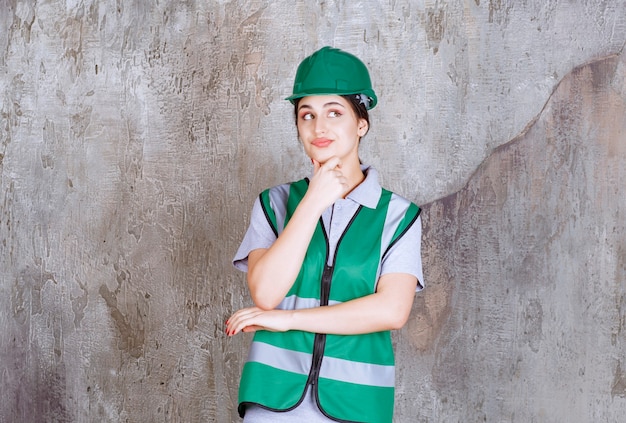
[369,93]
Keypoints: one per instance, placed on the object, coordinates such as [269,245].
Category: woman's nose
[320,126]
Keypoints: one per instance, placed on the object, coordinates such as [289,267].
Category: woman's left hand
[253,318]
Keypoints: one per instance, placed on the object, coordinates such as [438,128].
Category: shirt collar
[368,192]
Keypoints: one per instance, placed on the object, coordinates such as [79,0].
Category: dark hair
[355,102]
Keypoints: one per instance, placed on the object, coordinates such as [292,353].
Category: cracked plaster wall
[135,135]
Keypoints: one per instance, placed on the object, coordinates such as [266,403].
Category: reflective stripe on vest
[293,302]
[332,368]
[352,376]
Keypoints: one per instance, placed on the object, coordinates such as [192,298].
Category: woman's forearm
[387,309]
[272,271]
[363,315]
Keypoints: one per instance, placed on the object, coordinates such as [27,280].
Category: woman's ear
[363,127]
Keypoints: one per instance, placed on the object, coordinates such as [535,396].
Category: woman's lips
[321,142]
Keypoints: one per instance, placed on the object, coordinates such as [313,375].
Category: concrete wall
[134,137]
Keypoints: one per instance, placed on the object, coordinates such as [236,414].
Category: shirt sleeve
[258,235]
[405,255]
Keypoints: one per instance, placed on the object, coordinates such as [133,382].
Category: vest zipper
[319,343]
[327,276]
[320,338]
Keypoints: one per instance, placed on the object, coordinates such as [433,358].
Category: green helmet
[333,71]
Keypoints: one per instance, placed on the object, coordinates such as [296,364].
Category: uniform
[402,257]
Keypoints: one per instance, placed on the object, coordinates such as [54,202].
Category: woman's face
[328,127]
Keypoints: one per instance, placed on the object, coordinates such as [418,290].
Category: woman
[333,263]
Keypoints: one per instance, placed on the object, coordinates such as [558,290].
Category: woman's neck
[353,173]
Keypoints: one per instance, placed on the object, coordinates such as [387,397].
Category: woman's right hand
[328,183]
[252,319]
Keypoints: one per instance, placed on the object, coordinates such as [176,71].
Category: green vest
[352,376]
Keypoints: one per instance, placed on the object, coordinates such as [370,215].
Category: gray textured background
[134,136]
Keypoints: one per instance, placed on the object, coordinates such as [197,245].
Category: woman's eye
[307,116]
[334,114]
